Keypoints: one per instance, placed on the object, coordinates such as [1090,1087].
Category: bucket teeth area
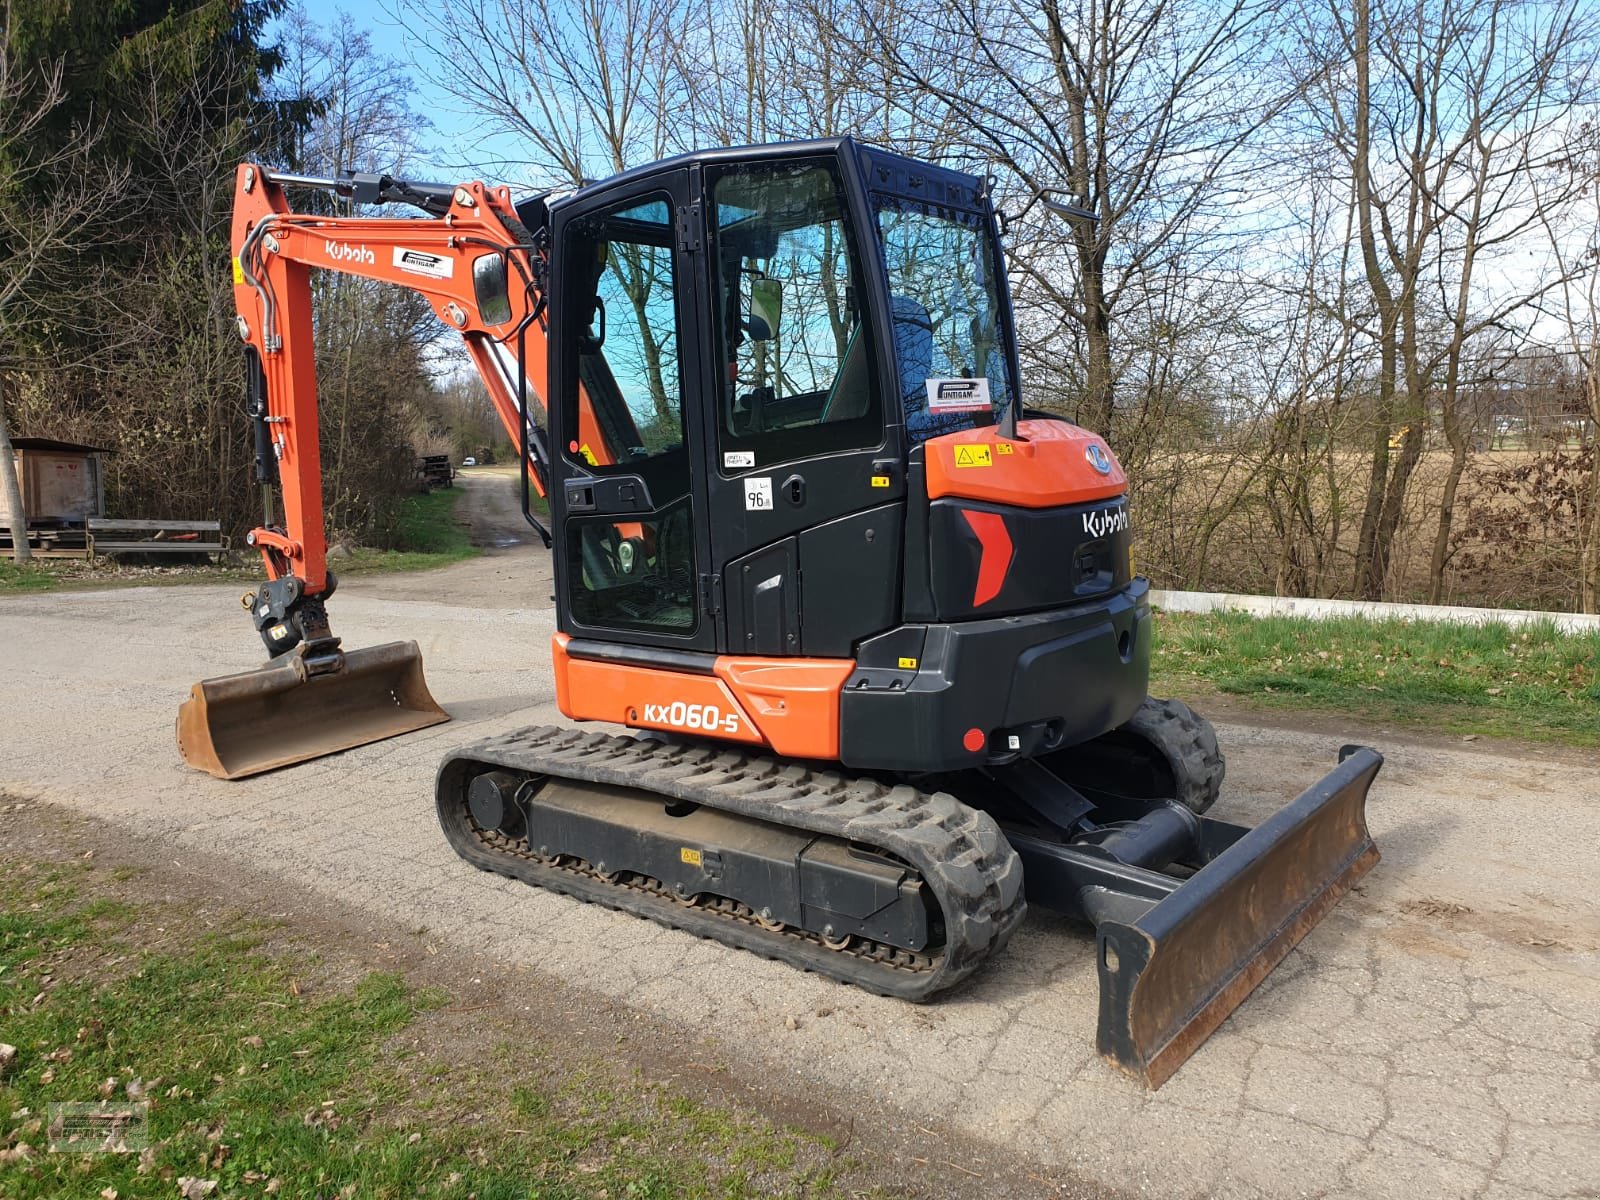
[234,726]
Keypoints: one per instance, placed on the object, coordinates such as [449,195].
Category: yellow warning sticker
[238,272]
[1002,448]
[973,456]
[908,664]
[880,481]
[588,455]
[692,857]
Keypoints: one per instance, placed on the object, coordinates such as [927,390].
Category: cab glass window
[623,414]
[797,356]
[949,322]
[625,407]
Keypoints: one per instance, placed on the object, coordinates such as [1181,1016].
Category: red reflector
[974,740]
[994,557]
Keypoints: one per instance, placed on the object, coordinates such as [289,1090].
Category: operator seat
[913,351]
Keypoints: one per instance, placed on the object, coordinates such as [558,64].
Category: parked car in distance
[469,461]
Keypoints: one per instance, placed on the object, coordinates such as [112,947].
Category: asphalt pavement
[1436,1036]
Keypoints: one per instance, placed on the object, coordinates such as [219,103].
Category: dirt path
[1436,1036]
[514,568]
[492,506]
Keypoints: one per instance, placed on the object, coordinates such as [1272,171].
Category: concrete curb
[1321,610]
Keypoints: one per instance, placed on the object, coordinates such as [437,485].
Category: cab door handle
[794,490]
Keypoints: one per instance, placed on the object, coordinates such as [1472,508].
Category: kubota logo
[1098,458]
[344,252]
[1105,521]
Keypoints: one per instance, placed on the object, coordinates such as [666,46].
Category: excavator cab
[762,338]
[784,431]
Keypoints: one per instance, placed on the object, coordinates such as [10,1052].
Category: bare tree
[1439,112]
[1575,244]
[1140,112]
[590,86]
[48,203]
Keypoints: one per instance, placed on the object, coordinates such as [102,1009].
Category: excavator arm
[483,272]
[479,268]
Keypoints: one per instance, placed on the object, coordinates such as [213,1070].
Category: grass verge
[1534,683]
[266,1076]
[26,577]
[428,535]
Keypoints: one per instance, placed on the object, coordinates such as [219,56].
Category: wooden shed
[63,487]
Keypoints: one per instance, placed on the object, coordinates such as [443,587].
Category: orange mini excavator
[876,625]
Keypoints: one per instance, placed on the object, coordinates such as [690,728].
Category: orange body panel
[794,701]
[1047,464]
[790,705]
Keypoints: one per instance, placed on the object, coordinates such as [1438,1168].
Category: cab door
[626,421]
[804,470]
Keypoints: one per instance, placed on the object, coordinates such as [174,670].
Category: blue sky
[455,148]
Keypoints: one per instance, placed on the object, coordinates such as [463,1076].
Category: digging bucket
[1169,977]
[238,725]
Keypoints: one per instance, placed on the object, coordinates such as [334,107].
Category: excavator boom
[479,268]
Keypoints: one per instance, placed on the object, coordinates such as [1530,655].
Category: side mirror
[766,309]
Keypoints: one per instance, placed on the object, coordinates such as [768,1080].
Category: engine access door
[627,374]
[804,474]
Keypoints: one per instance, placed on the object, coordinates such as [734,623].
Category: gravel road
[1436,1036]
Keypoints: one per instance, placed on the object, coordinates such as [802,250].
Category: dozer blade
[238,725]
[1171,976]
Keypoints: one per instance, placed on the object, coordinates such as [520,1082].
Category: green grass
[253,1074]
[1533,683]
[26,577]
[428,535]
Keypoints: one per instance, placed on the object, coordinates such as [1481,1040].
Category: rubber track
[974,875]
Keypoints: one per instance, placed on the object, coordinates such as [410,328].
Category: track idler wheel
[1165,751]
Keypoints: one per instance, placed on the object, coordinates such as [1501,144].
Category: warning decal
[690,857]
[973,456]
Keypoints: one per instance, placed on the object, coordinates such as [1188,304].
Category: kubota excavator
[877,626]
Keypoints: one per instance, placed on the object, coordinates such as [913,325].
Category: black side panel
[917,602]
[850,580]
[763,593]
[1024,684]
[658,657]
[1050,557]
